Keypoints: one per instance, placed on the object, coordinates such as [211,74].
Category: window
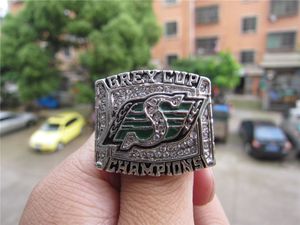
[71,122]
[171,59]
[170,2]
[269,133]
[67,52]
[249,24]
[9,117]
[171,29]
[206,15]
[247,57]
[50,126]
[284,41]
[282,8]
[206,45]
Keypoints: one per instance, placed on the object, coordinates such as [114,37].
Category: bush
[222,69]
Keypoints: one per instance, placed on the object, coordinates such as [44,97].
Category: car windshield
[269,133]
[50,127]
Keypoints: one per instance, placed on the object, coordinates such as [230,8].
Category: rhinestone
[187,151]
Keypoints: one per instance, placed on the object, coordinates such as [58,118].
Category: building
[15,6]
[264,36]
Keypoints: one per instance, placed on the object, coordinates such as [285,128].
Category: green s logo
[151,121]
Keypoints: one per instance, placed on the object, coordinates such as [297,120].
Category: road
[251,191]
[22,168]
[254,191]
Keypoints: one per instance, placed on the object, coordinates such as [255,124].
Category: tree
[27,53]
[222,69]
[113,36]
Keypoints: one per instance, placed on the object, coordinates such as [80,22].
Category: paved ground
[22,168]
[251,191]
[254,191]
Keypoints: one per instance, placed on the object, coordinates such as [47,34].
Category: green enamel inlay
[144,134]
[142,127]
[141,134]
[172,132]
[165,106]
[185,106]
[175,122]
[138,107]
[175,115]
[137,123]
[121,134]
[138,116]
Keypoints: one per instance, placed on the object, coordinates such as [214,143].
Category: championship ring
[154,122]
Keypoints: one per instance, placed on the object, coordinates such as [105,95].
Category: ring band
[154,122]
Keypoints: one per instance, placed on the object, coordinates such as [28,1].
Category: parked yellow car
[57,131]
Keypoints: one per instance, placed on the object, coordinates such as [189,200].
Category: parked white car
[10,121]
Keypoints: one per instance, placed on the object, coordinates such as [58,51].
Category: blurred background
[53,51]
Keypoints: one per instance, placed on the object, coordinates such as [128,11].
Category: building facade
[15,6]
[263,35]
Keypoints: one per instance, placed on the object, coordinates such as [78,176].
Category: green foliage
[84,93]
[120,39]
[117,37]
[222,69]
[36,77]
[79,28]
[24,59]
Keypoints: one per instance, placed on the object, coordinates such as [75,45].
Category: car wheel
[298,154]
[224,139]
[248,148]
[60,146]
[30,123]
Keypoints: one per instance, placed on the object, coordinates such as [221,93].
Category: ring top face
[153,122]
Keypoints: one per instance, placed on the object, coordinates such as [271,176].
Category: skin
[76,192]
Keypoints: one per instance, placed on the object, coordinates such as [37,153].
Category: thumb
[156,200]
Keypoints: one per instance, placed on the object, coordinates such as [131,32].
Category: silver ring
[154,122]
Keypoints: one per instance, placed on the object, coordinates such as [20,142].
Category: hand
[76,192]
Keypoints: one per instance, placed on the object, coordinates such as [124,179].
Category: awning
[281,60]
[251,70]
